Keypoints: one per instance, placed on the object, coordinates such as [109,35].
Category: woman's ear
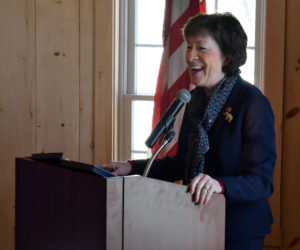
[225,61]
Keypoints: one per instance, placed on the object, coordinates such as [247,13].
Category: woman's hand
[202,187]
[118,167]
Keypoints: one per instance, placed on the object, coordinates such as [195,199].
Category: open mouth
[197,68]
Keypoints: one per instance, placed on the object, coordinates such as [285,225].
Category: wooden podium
[64,209]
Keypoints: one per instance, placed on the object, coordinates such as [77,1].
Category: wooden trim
[105,78]
[273,89]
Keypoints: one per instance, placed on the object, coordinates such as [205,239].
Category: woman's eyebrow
[197,42]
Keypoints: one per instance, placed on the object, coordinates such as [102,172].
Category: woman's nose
[192,56]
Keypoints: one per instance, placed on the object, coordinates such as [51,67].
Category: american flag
[173,74]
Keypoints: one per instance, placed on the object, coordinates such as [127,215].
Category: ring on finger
[206,188]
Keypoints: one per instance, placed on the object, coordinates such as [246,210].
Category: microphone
[183,96]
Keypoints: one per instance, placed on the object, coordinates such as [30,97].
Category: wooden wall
[56,87]
[291,130]
[57,93]
[273,89]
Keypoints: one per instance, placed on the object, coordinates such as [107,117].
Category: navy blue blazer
[242,156]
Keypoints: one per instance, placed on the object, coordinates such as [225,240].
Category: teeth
[197,68]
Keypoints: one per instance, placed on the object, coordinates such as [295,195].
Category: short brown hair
[227,32]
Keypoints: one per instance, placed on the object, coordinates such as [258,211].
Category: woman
[227,141]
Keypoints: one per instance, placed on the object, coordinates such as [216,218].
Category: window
[143,40]
[250,13]
[141,24]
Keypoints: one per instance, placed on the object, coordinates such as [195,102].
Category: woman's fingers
[108,167]
[192,186]
[202,187]
[203,194]
[118,168]
[208,196]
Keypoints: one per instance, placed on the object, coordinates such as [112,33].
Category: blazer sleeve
[254,180]
[167,168]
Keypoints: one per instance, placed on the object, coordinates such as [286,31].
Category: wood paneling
[291,130]
[271,248]
[86,101]
[273,86]
[105,99]
[57,77]
[47,90]
[17,102]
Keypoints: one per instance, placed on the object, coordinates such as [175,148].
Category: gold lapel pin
[228,115]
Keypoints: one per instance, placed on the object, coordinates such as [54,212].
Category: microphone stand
[168,137]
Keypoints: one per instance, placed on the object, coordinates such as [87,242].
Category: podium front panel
[160,215]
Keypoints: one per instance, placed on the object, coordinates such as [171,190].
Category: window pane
[248,68]
[147,67]
[211,6]
[149,21]
[243,10]
[141,124]
[139,156]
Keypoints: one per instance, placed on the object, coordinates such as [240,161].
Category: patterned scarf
[201,120]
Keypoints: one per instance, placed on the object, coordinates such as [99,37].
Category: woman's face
[205,61]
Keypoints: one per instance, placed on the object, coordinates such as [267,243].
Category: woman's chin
[198,83]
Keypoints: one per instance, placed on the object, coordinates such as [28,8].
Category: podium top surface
[57,160]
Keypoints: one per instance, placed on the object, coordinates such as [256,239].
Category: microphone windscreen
[184,95]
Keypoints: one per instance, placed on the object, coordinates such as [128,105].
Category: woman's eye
[201,48]
[189,47]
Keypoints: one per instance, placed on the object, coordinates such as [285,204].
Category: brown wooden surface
[105,81]
[17,102]
[47,87]
[291,130]
[160,215]
[63,209]
[57,75]
[86,97]
[273,88]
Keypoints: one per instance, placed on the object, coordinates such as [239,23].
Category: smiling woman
[227,141]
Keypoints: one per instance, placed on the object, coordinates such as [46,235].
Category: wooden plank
[86,81]
[104,73]
[271,248]
[291,132]
[57,77]
[273,89]
[17,102]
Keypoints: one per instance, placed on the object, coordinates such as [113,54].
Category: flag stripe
[167,21]
[173,74]
[182,82]
[175,31]
[178,8]
[177,64]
